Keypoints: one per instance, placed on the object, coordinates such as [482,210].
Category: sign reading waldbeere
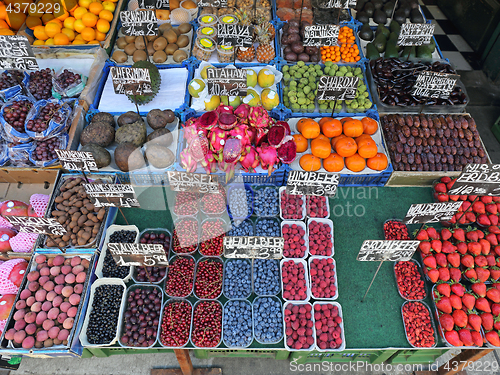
[337,88]
[434,85]
[254,247]
[478,179]
[227,81]
[415,34]
[312,183]
[40,225]
[431,212]
[138,254]
[112,195]
[131,81]
[16,53]
[231,35]
[139,23]
[321,35]
[387,250]
[77,160]
[193,182]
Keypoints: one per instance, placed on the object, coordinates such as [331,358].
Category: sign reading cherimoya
[390,250]
[131,81]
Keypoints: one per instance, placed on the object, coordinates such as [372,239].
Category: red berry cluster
[185,237]
[186,203]
[207,324]
[316,206]
[320,239]
[294,281]
[323,278]
[212,237]
[295,243]
[213,203]
[299,326]
[291,206]
[395,230]
[327,323]
[418,325]
[208,283]
[176,323]
[180,277]
[410,283]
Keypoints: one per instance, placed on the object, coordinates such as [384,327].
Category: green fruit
[204,71]
[252,98]
[251,78]
[212,103]
[155,83]
[234,101]
[195,87]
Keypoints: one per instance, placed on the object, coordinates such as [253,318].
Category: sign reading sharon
[478,179]
[254,247]
[434,85]
[154,4]
[431,212]
[234,35]
[193,182]
[39,225]
[112,195]
[321,35]
[227,81]
[77,160]
[16,53]
[213,3]
[337,88]
[415,34]
[139,23]
[131,81]
[138,254]
[312,183]
[389,250]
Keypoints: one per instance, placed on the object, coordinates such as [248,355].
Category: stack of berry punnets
[487,303]
[485,210]
[458,314]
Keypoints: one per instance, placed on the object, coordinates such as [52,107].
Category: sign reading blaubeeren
[254,247]
[138,254]
[131,81]
[227,81]
[77,160]
[431,212]
[434,85]
[154,4]
[337,88]
[39,225]
[415,34]
[16,53]
[321,35]
[312,183]
[390,250]
[193,182]
[112,195]
[213,3]
[138,23]
[234,35]
[478,179]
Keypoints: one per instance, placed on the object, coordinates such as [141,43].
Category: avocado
[362,17]
[391,50]
[423,52]
[409,50]
[416,16]
[395,28]
[406,9]
[381,29]
[369,9]
[399,16]
[378,4]
[359,5]
[380,42]
[366,33]
[388,9]
[371,52]
[432,45]
[379,17]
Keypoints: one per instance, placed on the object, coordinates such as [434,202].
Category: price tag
[337,88]
[342,4]
[391,250]
[138,254]
[234,35]
[193,182]
[77,160]
[478,179]
[431,212]
[254,247]
[227,81]
[16,53]
[321,35]
[138,23]
[131,81]
[415,34]
[312,183]
[39,225]
[112,195]
[213,3]
[154,4]
[434,85]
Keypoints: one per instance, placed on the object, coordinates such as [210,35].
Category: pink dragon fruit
[268,157]
[258,117]
[190,132]
[187,161]
[224,109]
[252,134]
[230,156]
[250,160]
[209,163]
[227,121]
[287,152]
[199,147]
[276,135]
[285,125]
[260,136]
[208,120]
[242,112]
[240,132]
[217,139]
[191,122]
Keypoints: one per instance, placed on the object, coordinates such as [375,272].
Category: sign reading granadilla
[193,182]
[139,23]
[312,183]
[131,81]
[321,35]
[337,88]
[227,82]
[234,35]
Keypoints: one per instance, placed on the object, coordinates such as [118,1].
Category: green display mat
[358,214]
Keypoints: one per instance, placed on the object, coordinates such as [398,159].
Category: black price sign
[77,160]
[138,254]
[131,81]
[415,34]
[227,81]
[112,195]
[213,3]
[193,182]
[337,88]
[254,247]
[138,23]
[39,225]
[434,85]
[321,35]
[478,179]
[312,183]
[154,4]
[391,250]
[342,4]
[431,212]
[234,35]
[16,53]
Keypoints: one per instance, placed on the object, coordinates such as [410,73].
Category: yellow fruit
[79,12]
[38,42]
[106,15]
[103,26]
[108,5]
[47,17]
[39,32]
[7,32]
[69,33]
[69,23]
[78,37]
[15,20]
[78,41]
[265,78]
[89,19]
[52,28]
[49,42]
[61,39]
[32,22]
[85,3]
[93,42]
[88,34]
[100,36]
[79,26]
[95,8]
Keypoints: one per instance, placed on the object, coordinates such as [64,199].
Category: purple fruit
[19,337]
[25,294]
[9,335]
[74,299]
[75,261]
[30,300]
[63,335]
[80,277]
[53,313]
[59,260]
[62,317]
[78,288]
[53,332]
[29,342]
[33,276]
[40,295]
[30,329]
[45,271]
[72,311]
[59,279]
[40,318]
[43,279]
[65,306]
[36,307]
[30,317]
[58,288]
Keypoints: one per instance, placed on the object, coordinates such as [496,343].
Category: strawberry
[486,199]
[491,209]
[425,247]
[495,273]
[467,261]
[487,321]
[453,338]
[472,235]
[466,337]
[445,234]
[422,236]
[446,180]
[495,199]
[493,219]
[475,322]
[447,322]
[495,309]
[455,274]
[430,261]
[458,289]
[459,234]
[433,233]
[496,323]
[462,247]
[444,289]
[490,259]
[453,220]
[443,197]
[444,305]
[477,338]
[497,262]
[498,206]
[440,188]
[433,275]
[492,238]
[471,274]
[444,274]
[441,260]
[436,245]
[493,295]
[454,259]
[479,289]
[496,285]
[497,249]
[482,304]
[465,206]
[472,198]
[485,246]
[470,217]
[492,338]
[448,247]
[454,198]
[494,229]
[483,220]
[463,197]
[480,261]
[474,248]
[480,233]
[478,207]
[456,302]
[482,274]
[468,300]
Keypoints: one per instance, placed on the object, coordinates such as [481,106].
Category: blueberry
[266,201]
[237,280]
[266,277]
[267,228]
[268,332]
[237,327]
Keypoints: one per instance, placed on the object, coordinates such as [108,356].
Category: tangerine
[79,26]
[69,23]
[61,39]
[300,142]
[88,34]
[95,8]
[52,28]
[79,12]
[310,163]
[39,32]
[333,163]
[103,26]
[106,15]
[346,147]
[100,36]
[7,32]
[69,33]
[89,19]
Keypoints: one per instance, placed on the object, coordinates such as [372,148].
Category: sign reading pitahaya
[193,182]
[227,82]
[312,183]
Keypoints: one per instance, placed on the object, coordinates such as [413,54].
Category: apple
[5,235]
[14,208]
[6,303]
[17,274]
[31,211]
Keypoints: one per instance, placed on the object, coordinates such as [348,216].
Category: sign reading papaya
[231,35]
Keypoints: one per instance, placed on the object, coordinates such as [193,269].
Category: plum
[58,288]
[65,306]
[58,300]
[62,317]
[33,276]
[28,342]
[19,314]
[30,317]
[30,300]
[45,271]
[58,260]
[20,324]
[46,306]
[33,286]
[21,304]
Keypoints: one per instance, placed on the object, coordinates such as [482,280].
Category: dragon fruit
[258,117]
[240,132]
[191,122]
[260,136]
[276,135]
[252,134]
[209,163]
[268,157]
[199,147]
[224,109]
[230,156]
[242,112]
[217,139]
[190,132]
[227,121]
[208,120]
[250,160]
[287,152]
[187,161]
[285,125]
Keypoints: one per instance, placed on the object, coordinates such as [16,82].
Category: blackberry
[103,320]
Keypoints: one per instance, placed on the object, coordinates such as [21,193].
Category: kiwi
[130,49]
[183,41]
[121,42]
[139,43]
[171,48]
[159,57]
[165,27]
[140,55]
[160,44]
[119,56]
[176,30]
[130,39]
[184,28]
[151,49]
[180,56]
[151,38]
[171,36]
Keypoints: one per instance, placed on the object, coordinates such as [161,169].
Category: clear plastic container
[300,303]
[228,19]
[323,221]
[210,212]
[249,204]
[278,277]
[211,259]
[306,278]
[207,20]
[421,276]
[192,323]
[283,191]
[225,54]
[203,48]
[336,283]
[207,32]
[245,3]
[170,301]
[224,279]
[276,220]
[191,279]
[262,188]
[194,244]
[327,205]
[228,10]
[252,228]
[432,324]
[254,321]
[306,237]
[342,331]
[251,313]
[225,229]
[192,206]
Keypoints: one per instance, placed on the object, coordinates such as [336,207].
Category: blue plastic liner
[11,134]
[63,139]
[54,127]
[19,154]
[4,154]
[10,92]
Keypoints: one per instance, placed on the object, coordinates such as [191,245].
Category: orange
[52,29]
[106,15]
[321,148]
[39,32]
[47,17]
[368,149]
[310,163]
[330,127]
[355,163]
[38,42]
[79,37]
[346,147]
[3,12]
[370,126]
[15,20]
[95,8]
[300,142]
[49,42]
[61,39]
[69,23]
[69,5]
[93,42]
[79,12]
[69,33]
[78,41]
[353,128]
[88,34]
[79,26]
[89,19]
[108,5]
[378,162]
[32,22]
[100,36]
[85,3]
[103,26]
[333,163]
[7,32]
[3,24]
[62,14]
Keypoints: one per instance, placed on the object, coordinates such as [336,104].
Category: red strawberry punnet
[418,326]
[492,338]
